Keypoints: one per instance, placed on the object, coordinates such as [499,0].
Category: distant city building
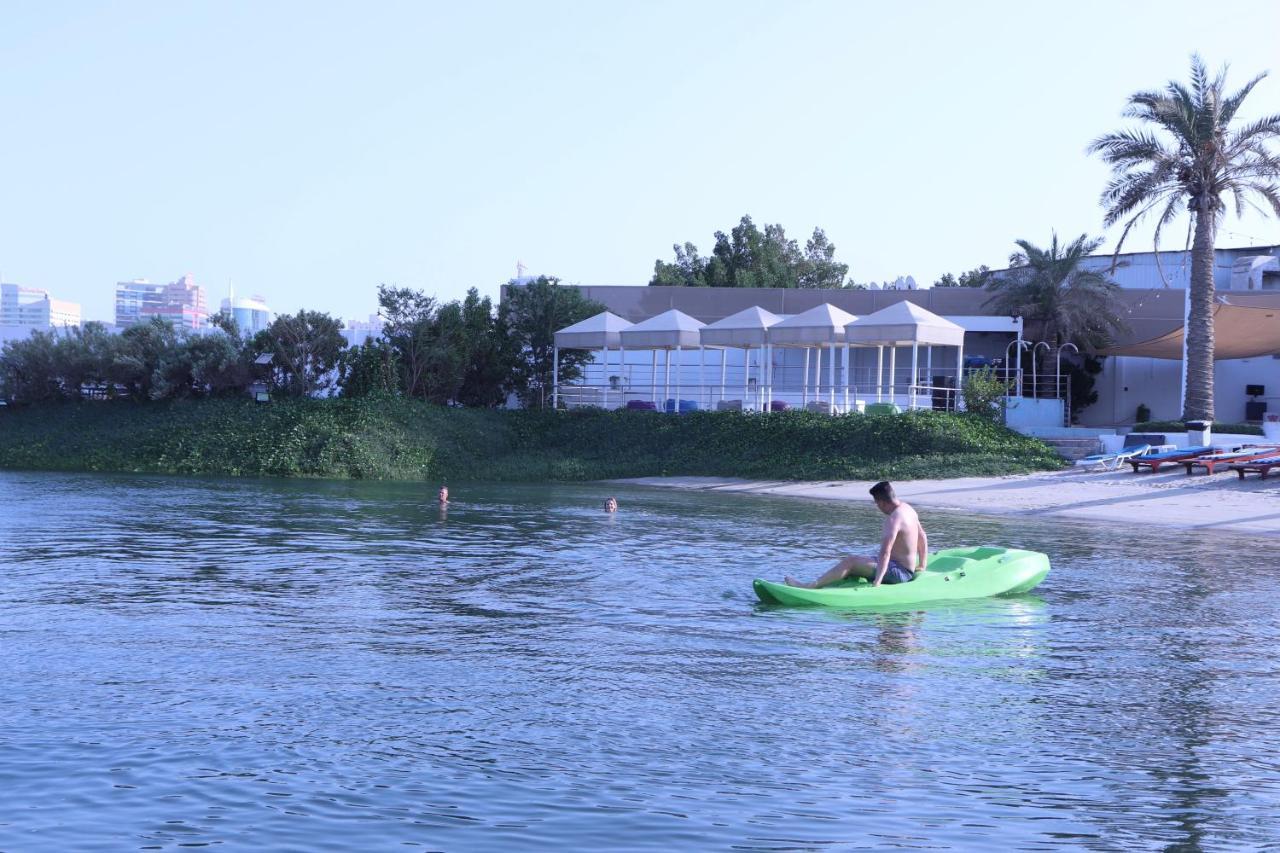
[357,332]
[180,302]
[35,308]
[250,313]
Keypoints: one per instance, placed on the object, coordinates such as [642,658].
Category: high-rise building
[180,302]
[250,313]
[31,306]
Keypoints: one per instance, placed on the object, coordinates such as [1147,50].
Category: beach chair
[1112,461]
[1261,467]
[1210,461]
[1155,461]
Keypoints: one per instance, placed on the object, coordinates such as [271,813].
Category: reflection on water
[315,666]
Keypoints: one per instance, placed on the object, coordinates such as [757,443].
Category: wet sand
[1170,498]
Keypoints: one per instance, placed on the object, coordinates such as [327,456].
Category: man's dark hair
[883,491]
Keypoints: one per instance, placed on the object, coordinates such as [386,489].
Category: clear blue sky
[309,151]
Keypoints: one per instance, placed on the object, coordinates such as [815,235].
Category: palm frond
[1232,104]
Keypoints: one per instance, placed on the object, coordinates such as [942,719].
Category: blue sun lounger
[1112,461]
[1155,461]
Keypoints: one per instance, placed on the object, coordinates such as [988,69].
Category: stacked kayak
[952,574]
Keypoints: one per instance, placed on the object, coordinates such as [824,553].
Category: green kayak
[953,573]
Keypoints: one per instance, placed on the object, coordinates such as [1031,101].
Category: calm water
[331,666]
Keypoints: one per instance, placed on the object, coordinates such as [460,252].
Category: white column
[804,385]
[879,371]
[666,381]
[605,400]
[724,353]
[817,375]
[955,404]
[702,369]
[555,377]
[622,372]
[653,378]
[746,375]
[679,364]
[831,377]
[893,371]
[846,378]
[915,372]
[768,378]
[928,370]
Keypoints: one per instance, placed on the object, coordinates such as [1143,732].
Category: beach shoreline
[1173,499]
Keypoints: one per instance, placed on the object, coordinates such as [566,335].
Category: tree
[138,354]
[749,257]
[978,277]
[1048,287]
[1192,154]
[491,353]
[29,369]
[407,316]
[371,369]
[306,347]
[533,313]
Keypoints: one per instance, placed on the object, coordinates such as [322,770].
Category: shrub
[1180,426]
[1144,413]
[984,394]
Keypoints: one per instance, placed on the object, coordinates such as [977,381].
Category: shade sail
[903,324]
[747,328]
[602,330]
[1244,326]
[822,324]
[668,330]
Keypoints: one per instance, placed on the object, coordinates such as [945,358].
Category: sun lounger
[1154,461]
[1261,467]
[1210,461]
[1112,461]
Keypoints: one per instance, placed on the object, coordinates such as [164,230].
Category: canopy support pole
[893,374]
[928,371]
[768,378]
[605,400]
[831,377]
[879,371]
[817,375]
[955,403]
[653,379]
[746,376]
[679,364]
[622,373]
[724,354]
[666,380]
[846,378]
[555,377]
[915,373]
[804,385]
[702,369]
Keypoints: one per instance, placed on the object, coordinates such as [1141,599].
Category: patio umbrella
[903,324]
[822,325]
[599,332]
[670,330]
[746,329]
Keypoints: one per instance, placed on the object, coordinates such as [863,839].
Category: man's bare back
[904,547]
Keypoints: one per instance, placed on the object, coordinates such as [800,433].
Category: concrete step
[1072,449]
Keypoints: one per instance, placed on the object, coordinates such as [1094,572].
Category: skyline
[309,155]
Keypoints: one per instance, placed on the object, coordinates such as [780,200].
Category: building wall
[33,307]
[182,302]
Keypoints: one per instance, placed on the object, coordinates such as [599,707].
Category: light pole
[1022,345]
[1035,379]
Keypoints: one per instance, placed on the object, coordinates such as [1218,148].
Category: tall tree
[533,313]
[306,348]
[407,316]
[1048,287]
[1192,155]
[749,257]
[977,277]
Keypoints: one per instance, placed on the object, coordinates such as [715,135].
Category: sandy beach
[1218,502]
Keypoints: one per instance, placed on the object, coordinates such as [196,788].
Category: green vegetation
[749,257]
[1179,426]
[381,437]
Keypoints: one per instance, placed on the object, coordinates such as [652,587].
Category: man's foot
[790,581]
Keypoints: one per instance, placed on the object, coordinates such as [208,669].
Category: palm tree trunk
[1198,404]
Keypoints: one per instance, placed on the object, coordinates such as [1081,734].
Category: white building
[251,313]
[356,332]
[23,309]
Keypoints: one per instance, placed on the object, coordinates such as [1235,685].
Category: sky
[310,151]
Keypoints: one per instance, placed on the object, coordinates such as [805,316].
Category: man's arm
[886,549]
[922,548]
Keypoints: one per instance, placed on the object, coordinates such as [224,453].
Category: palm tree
[1047,286]
[1191,157]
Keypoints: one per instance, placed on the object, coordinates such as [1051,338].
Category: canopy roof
[748,328]
[602,330]
[822,324]
[668,330]
[902,324]
[1244,326]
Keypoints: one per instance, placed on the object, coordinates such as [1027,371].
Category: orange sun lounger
[1261,467]
[1209,461]
[1155,461]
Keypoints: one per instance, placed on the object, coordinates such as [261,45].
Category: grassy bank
[407,440]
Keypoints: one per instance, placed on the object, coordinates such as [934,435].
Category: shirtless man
[904,547]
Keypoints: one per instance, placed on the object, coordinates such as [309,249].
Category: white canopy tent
[670,330]
[903,324]
[600,332]
[746,329]
[822,325]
